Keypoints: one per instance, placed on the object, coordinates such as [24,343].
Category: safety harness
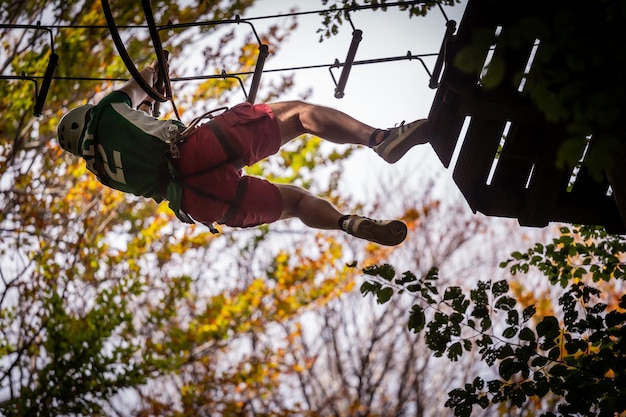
[231,158]
[169,172]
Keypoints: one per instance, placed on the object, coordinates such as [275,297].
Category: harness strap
[235,203]
[232,157]
[226,142]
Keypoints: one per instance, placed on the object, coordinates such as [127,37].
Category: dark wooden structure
[500,127]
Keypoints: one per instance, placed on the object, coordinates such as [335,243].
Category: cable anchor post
[53,62]
[175,137]
[258,71]
[442,56]
[357,36]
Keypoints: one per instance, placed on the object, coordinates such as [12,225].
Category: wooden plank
[445,124]
[475,158]
[459,94]
[445,119]
[532,144]
[515,162]
[547,181]
[514,59]
[493,106]
[524,141]
[511,176]
[508,187]
[601,211]
[587,186]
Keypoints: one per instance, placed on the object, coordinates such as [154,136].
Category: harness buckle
[174,150]
[174,137]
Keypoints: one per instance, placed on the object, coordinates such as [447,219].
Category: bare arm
[135,92]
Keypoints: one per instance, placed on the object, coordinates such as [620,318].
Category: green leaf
[499,288]
[507,368]
[470,59]
[455,317]
[407,277]
[556,385]
[615,318]
[548,324]
[485,324]
[528,388]
[517,397]
[432,275]
[384,271]
[467,345]
[483,401]
[417,319]
[384,295]
[554,353]
[512,317]
[542,388]
[494,385]
[505,351]
[528,312]
[451,293]
[414,288]
[527,334]
[455,351]
[505,303]
[460,304]
[370,287]
[509,332]
[480,311]
[479,294]
[461,401]
[558,370]
[579,272]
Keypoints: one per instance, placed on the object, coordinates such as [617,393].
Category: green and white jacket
[127,150]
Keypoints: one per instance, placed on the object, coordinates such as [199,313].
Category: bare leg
[296,118]
[313,211]
[320,214]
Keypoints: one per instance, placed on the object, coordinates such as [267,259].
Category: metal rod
[235,74]
[258,70]
[450,29]
[121,49]
[357,35]
[45,84]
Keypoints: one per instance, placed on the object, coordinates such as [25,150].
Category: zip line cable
[353,7]
[238,75]
[166,92]
[336,64]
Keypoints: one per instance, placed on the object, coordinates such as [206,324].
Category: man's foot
[398,140]
[384,232]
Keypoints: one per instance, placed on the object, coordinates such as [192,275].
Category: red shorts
[211,183]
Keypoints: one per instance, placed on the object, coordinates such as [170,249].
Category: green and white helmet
[71,129]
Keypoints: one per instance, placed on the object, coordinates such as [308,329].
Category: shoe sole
[393,150]
[389,234]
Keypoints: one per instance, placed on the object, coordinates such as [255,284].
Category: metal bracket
[53,60]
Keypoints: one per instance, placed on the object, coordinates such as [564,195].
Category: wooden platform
[500,127]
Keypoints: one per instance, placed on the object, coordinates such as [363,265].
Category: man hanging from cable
[198,169]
